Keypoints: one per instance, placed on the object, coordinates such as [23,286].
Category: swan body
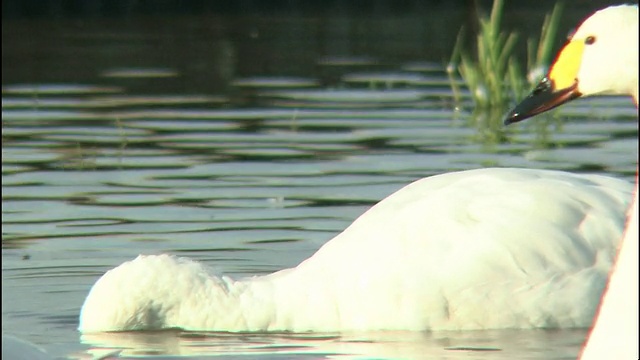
[489,248]
[601,58]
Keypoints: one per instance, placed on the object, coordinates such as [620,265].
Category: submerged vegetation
[494,76]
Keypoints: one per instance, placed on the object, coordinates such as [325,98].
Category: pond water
[245,144]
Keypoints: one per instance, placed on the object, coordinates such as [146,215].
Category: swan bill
[543,98]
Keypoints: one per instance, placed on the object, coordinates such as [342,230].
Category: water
[246,152]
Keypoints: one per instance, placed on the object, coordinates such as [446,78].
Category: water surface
[120,141]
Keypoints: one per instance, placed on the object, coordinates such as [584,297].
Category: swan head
[601,57]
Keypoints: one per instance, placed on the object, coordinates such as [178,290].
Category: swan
[601,58]
[488,248]
[478,249]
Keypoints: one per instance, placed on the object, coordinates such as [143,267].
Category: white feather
[489,248]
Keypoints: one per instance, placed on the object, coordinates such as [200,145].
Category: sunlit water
[249,180]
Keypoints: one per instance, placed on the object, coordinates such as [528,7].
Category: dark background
[14,9]
[211,43]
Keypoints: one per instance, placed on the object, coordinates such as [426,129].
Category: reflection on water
[518,344]
[111,149]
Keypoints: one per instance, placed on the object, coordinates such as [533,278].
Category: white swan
[490,248]
[602,58]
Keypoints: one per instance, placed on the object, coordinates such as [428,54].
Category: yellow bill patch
[565,69]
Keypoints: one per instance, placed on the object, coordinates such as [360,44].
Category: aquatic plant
[494,76]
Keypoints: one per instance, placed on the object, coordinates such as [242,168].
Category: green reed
[494,75]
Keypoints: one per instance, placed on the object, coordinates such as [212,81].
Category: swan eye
[590,40]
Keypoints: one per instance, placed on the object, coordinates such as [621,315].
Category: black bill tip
[542,98]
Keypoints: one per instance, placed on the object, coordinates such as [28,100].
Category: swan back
[487,248]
